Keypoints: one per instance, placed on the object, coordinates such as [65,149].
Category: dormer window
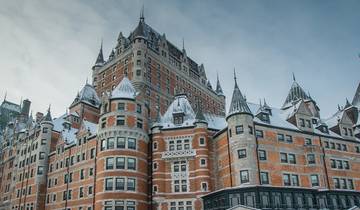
[178,118]
[265,117]
[308,123]
[325,129]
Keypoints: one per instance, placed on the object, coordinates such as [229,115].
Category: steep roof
[238,102]
[100,58]
[87,95]
[124,90]
[218,90]
[356,99]
[10,106]
[296,92]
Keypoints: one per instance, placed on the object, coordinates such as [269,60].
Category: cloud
[48,47]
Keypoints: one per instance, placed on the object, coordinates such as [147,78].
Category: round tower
[242,142]
[122,164]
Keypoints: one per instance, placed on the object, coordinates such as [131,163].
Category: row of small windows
[120,163]
[120,143]
[120,121]
[337,146]
[339,164]
[343,183]
[71,160]
[120,184]
[67,195]
[305,123]
[288,179]
[347,131]
[239,129]
[24,191]
[119,205]
[181,144]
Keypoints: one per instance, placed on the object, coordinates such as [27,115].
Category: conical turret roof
[238,102]
[356,99]
[219,90]
[100,58]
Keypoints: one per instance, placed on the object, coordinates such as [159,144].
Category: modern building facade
[150,132]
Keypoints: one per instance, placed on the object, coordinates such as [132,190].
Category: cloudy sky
[47,48]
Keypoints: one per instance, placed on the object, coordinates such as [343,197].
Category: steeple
[347,104]
[199,114]
[218,86]
[294,79]
[100,59]
[238,102]
[48,115]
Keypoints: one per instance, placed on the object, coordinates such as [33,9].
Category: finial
[142,18]
[339,107]
[265,104]
[294,77]
[235,78]
[49,108]
[86,80]
[260,102]
[5,95]
[183,43]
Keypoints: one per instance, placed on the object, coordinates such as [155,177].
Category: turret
[200,120]
[123,140]
[242,142]
[100,59]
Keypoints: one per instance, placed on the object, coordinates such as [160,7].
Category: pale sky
[48,47]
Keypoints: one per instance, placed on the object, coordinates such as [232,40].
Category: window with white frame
[202,141]
[181,205]
[180,144]
[180,185]
[203,162]
[179,166]
[119,204]
[204,186]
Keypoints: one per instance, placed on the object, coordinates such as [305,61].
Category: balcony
[178,154]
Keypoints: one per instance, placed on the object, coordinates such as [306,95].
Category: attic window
[178,119]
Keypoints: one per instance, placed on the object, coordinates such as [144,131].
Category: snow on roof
[74,114]
[88,95]
[92,127]
[124,90]
[277,118]
[10,106]
[334,120]
[179,105]
[67,134]
[215,121]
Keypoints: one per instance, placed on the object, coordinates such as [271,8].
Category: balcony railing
[178,154]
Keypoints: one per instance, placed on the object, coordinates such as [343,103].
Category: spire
[142,17]
[236,85]
[48,115]
[238,102]
[294,79]
[296,92]
[218,86]
[100,59]
[183,44]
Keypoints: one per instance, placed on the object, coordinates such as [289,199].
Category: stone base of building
[281,198]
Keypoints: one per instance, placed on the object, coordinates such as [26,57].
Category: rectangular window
[131,163]
[308,123]
[259,133]
[262,155]
[295,180]
[120,163]
[289,139]
[202,141]
[346,164]
[292,158]
[311,158]
[103,144]
[131,184]
[139,123]
[264,177]
[119,184]
[327,144]
[90,190]
[239,129]
[336,183]
[333,163]
[120,143]
[109,163]
[40,170]
[283,157]
[81,192]
[92,153]
[110,143]
[121,106]
[339,164]
[138,108]
[242,153]
[286,180]
[109,184]
[344,147]
[308,141]
[131,143]
[351,184]
[302,122]
[41,155]
[251,130]
[332,145]
[244,176]
[314,180]
[280,137]
[120,120]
